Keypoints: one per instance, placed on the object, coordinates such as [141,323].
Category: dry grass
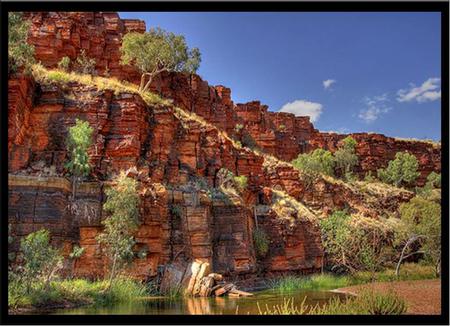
[47,76]
[287,207]
[426,141]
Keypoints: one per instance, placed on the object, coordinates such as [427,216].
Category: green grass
[367,303]
[314,282]
[76,291]
[408,272]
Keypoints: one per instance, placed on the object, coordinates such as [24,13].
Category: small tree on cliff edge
[20,53]
[122,206]
[156,51]
[400,171]
[346,158]
[78,142]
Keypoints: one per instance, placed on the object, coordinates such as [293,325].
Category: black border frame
[281,6]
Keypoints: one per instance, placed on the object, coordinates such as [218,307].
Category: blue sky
[350,72]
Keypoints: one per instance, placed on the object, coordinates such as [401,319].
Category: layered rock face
[168,151]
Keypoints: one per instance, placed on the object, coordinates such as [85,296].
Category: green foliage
[77,291]
[64,64]
[282,127]
[238,127]
[369,177]
[156,51]
[84,64]
[78,142]
[122,208]
[20,53]
[366,303]
[346,158]
[352,246]
[422,223]
[315,282]
[261,242]
[77,252]
[240,182]
[400,171]
[434,180]
[41,261]
[315,163]
[288,307]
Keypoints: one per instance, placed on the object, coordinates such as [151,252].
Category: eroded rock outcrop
[176,157]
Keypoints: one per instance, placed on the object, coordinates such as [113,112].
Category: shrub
[369,177]
[421,225]
[352,243]
[41,260]
[20,53]
[315,163]
[122,208]
[346,158]
[78,141]
[281,127]
[366,303]
[84,64]
[261,242]
[240,182]
[64,64]
[400,171]
[314,282]
[434,180]
[156,51]
[238,127]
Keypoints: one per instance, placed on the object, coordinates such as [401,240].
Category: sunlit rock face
[168,154]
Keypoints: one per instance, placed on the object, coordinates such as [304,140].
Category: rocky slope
[175,150]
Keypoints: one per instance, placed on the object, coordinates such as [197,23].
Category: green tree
[76,253]
[20,53]
[156,51]
[346,158]
[41,260]
[78,142]
[315,163]
[434,180]
[261,242]
[122,208]
[352,245]
[421,226]
[400,171]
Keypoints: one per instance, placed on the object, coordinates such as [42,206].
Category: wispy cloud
[430,90]
[303,108]
[327,83]
[374,107]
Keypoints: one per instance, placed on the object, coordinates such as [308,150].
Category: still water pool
[203,306]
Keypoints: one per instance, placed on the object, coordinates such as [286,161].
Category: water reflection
[206,306]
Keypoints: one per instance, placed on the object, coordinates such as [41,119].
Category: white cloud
[375,107]
[327,83]
[430,90]
[303,108]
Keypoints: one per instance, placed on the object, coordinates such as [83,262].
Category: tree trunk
[148,84]
[113,272]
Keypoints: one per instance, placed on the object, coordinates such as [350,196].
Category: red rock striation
[166,151]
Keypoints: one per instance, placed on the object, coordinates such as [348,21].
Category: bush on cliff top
[20,53]
[346,158]
[400,171]
[156,51]
[312,164]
